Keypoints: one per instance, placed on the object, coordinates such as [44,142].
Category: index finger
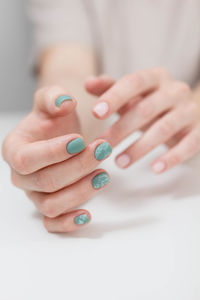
[126,89]
[30,157]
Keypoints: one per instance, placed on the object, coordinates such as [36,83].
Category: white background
[143,242]
[16,82]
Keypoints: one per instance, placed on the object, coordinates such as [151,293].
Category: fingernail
[75,146]
[100,180]
[101,109]
[102,151]
[81,219]
[123,160]
[158,167]
[61,99]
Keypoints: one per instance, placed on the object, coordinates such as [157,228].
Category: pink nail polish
[101,109]
[123,160]
[158,167]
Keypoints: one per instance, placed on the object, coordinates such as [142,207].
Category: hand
[52,164]
[153,102]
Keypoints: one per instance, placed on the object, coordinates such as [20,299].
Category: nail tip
[75,146]
[101,109]
[61,99]
[82,219]
[100,180]
[102,151]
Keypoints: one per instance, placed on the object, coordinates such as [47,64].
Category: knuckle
[20,163]
[136,79]
[166,128]
[83,164]
[145,110]
[194,144]
[175,159]
[182,89]
[45,181]
[47,208]
[52,153]
[193,110]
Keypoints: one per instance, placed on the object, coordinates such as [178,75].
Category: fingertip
[100,179]
[82,217]
[123,161]
[91,79]
[68,222]
[103,150]
[76,145]
[158,167]
[101,110]
[90,83]
[54,101]
[64,104]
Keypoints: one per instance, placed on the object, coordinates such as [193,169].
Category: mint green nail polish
[102,151]
[82,219]
[61,99]
[100,180]
[75,146]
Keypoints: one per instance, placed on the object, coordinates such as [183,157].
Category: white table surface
[143,242]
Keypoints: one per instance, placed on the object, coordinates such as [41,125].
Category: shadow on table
[177,185]
[173,185]
[169,187]
[99,229]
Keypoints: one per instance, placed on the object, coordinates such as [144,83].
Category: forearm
[69,66]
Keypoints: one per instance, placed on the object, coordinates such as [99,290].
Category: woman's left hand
[151,101]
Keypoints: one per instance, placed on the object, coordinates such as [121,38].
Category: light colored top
[128,35]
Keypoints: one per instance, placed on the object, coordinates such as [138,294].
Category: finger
[60,175]
[67,199]
[34,156]
[129,105]
[124,90]
[68,222]
[98,85]
[136,118]
[185,149]
[158,133]
[53,101]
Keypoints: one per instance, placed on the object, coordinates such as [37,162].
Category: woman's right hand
[50,162]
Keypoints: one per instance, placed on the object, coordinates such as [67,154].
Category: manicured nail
[100,180]
[102,151]
[123,160]
[101,109]
[75,146]
[158,167]
[81,219]
[61,99]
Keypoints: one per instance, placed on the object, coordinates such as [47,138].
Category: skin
[164,109]
[36,149]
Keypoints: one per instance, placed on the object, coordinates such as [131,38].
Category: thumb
[53,101]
